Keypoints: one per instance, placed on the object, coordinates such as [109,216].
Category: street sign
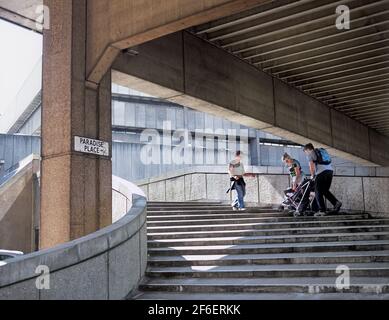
[91,146]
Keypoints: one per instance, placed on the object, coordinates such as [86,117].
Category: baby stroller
[300,202]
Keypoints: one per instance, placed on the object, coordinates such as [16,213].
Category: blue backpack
[322,156]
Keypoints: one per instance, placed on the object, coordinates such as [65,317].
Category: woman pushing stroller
[320,183]
[295,171]
[298,191]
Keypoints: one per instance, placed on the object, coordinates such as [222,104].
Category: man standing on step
[237,173]
[322,171]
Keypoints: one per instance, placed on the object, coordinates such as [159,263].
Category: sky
[20,50]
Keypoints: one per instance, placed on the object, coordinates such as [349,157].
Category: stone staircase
[207,251]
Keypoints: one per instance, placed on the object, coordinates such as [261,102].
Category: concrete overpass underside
[297,42]
[282,67]
[24,13]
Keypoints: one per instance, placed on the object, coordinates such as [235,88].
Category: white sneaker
[320,214]
[242,209]
[235,208]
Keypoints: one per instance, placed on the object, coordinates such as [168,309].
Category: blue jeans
[241,193]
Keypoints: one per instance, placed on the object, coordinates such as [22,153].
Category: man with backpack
[322,171]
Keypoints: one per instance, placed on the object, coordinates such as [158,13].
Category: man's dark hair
[309,147]
[238,153]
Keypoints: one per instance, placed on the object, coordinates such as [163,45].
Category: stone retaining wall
[107,264]
[370,194]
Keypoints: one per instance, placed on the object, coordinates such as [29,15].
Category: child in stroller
[300,202]
[298,198]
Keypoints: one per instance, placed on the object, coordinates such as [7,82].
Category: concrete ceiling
[297,41]
[21,12]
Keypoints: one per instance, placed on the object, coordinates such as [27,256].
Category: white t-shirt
[237,168]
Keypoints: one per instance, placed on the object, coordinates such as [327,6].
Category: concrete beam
[367,75]
[23,13]
[352,50]
[304,18]
[300,42]
[320,49]
[190,71]
[120,24]
[116,25]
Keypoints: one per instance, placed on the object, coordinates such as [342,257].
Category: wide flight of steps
[207,251]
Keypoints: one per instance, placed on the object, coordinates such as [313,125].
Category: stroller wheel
[281,208]
[297,214]
[291,212]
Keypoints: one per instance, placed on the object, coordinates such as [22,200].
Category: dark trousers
[304,195]
[322,189]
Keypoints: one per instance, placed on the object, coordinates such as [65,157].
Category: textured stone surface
[76,188]
[382,171]
[300,114]
[242,94]
[55,221]
[17,212]
[145,189]
[195,187]
[157,191]
[217,185]
[260,169]
[104,192]
[275,170]
[379,148]
[84,281]
[349,135]
[79,269]
[345,171]
[271,188]
[238,87]
[25,290]
[175,189]
[117,236]
[168,50]
[157,20]
[124,268]
[119,206]
[376,191]
[365,171]
[252,190]
[349,191]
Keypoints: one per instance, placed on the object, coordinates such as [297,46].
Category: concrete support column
[76,188]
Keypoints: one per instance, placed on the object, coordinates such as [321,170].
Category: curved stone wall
[107,264]
[357,192]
